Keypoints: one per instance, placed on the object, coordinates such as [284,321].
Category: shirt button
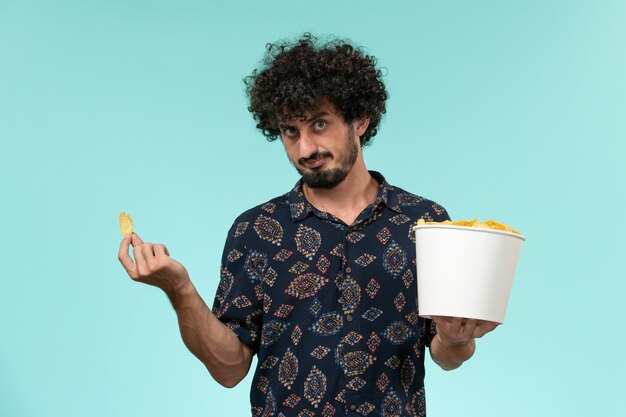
[352,407]
[349,317]
[348,270]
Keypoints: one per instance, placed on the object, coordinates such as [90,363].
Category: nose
[307,145]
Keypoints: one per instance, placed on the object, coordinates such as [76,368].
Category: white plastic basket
[465,271]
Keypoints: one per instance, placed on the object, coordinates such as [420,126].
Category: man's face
[322,147]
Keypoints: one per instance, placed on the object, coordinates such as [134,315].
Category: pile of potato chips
[489,224]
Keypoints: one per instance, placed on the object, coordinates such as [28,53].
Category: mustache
[316,155]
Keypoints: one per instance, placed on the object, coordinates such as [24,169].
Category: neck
[347,199]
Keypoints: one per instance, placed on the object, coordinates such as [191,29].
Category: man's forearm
[217,346]
[450,357]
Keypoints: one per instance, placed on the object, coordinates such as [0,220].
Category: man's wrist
[180,294]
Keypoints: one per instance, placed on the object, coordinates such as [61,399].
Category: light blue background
[512,110]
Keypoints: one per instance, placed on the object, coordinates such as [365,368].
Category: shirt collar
[300,207]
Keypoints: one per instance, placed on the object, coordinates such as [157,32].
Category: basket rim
[468,228]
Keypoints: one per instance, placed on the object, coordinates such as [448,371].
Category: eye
[290,131]
[320,124]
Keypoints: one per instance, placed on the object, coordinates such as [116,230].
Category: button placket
[351,319]
[351,323]
[348,275]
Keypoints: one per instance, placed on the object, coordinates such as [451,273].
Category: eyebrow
[317,116]
[310,119]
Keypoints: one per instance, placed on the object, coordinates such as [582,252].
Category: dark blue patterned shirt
[330,309]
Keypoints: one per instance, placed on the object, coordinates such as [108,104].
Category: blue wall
[512,110]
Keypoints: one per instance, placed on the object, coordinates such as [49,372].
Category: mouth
[315,163]
[316,160]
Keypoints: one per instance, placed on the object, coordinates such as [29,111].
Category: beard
[330,178]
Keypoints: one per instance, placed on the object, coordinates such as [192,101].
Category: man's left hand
[458,331]
[454,342]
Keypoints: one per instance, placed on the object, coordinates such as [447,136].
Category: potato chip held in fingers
[126,224]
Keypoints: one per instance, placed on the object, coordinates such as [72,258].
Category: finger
[479,332]
[441,320]
[125,259]
[147,250]
[160,251]
[136,240]
[140,259]
[467,332]
[456,324]
[484,328]
[436,319]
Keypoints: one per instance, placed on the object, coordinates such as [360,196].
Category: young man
[319,282]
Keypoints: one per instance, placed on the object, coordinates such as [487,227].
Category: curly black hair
[297,77]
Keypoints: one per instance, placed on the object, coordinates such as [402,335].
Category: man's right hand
[217,346]
[152,265]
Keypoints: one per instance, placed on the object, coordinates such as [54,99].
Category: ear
[361,125]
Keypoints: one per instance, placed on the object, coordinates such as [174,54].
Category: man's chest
[327,279]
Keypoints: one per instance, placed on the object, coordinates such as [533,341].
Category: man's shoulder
[416,206]
[277,207]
